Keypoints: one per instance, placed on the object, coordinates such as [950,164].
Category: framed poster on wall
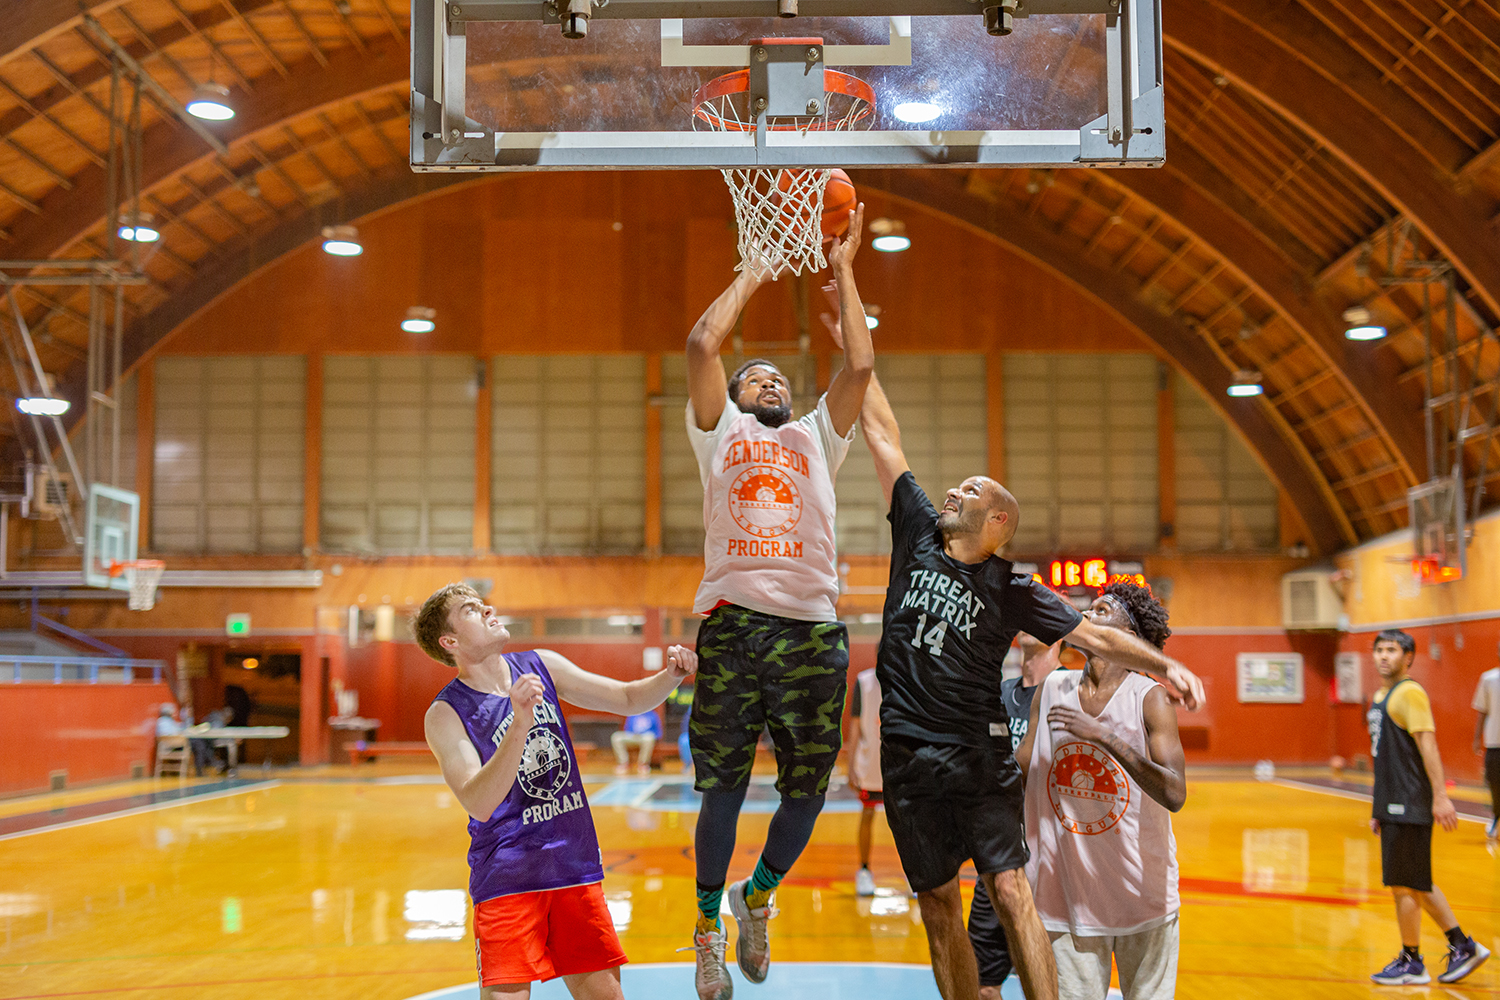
[1269,677]
[1348,681]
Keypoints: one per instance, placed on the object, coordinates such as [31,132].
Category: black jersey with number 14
[947,626]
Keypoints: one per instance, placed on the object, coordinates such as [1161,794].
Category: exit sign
[237,626]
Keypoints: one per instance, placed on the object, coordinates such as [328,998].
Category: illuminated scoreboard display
[1079,580]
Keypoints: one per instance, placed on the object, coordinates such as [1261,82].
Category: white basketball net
[143,576]
[779,212]
[780,218]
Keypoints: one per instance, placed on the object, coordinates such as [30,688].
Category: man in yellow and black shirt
[1409,795]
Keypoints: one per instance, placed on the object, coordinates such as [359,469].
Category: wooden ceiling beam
[29,24]
[146,48]
[1254,44]
[1363,377]
[169,151]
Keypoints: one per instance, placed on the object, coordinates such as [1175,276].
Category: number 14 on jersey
[934,636]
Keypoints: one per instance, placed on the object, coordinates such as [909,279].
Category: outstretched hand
[681,661]
[841,257]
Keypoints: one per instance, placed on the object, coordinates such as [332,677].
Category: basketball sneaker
[752,949]
[712,976]
[1489,831]
[864,883]
[1403,971]
[1463,960]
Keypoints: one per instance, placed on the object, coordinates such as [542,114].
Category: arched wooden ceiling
[1304,137]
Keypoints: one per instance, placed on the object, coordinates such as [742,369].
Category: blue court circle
[787,981]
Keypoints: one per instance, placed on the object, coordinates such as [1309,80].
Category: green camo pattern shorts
[757,671]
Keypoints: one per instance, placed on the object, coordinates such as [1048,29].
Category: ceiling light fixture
[916,112]
[342,241]
[210,102]
[420,319]
[890,235]
[1246,383]
[1360,325]
[140,228]
[872,322]
[43,406]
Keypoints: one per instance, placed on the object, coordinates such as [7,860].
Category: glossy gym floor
[339,883]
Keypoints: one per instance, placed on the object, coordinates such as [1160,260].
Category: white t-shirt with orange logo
[768,509]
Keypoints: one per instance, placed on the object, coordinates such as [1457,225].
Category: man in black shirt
[991,951]
[953,791]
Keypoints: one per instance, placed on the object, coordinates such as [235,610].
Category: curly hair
[431,623]
[1149,616]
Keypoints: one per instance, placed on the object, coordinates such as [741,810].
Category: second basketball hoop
[779,212]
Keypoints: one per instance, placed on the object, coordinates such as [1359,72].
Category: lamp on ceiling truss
[1246,383]
[342,241]
[1359,324]
[210,102]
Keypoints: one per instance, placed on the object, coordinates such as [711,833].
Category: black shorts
[1492,776]
[1406,855]
[949,804]
[991,949]
[758,671]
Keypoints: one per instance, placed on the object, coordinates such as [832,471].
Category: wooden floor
[334,883]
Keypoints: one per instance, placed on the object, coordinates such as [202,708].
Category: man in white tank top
[1104,773]
[773,652]
[864,769]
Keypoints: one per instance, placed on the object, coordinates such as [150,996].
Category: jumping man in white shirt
[772,652]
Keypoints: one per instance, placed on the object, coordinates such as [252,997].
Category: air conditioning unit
[1309,602]
[51,495]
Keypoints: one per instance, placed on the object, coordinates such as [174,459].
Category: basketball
[839,199]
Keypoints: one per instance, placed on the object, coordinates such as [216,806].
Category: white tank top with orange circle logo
[768,510]
[1103,858]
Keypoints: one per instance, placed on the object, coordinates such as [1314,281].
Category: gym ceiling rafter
[1302,138]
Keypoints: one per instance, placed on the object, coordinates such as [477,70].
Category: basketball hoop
[143,576]
[779,212]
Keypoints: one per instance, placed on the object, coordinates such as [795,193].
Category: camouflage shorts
[759,671]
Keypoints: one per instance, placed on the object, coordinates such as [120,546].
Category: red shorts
[870,799]
[534,936]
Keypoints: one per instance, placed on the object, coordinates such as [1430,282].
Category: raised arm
[707,385]
[481,788]
[605,694]
[883,436]
[846,392]
[1119,646]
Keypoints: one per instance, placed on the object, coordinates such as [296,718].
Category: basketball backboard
[113,519]
[497,86]
[1436,511]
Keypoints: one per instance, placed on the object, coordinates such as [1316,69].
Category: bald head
[1001,501]
[981,511]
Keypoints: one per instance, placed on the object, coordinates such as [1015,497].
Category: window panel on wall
[1225,500]
[940,402]
[228,462]
[569,469]
[1081,451]
[398,454]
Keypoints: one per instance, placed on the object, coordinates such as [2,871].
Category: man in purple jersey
[498,733]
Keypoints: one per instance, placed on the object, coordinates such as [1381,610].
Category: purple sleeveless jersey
[542,836]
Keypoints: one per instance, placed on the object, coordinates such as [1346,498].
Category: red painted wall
[1449,677]
[94,731]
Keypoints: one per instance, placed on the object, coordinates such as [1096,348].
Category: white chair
[172,754]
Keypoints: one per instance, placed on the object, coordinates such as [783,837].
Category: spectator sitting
[166,721]
[639,731]
[204,758]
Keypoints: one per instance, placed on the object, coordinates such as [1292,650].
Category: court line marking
[1343,794]
[258,786]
